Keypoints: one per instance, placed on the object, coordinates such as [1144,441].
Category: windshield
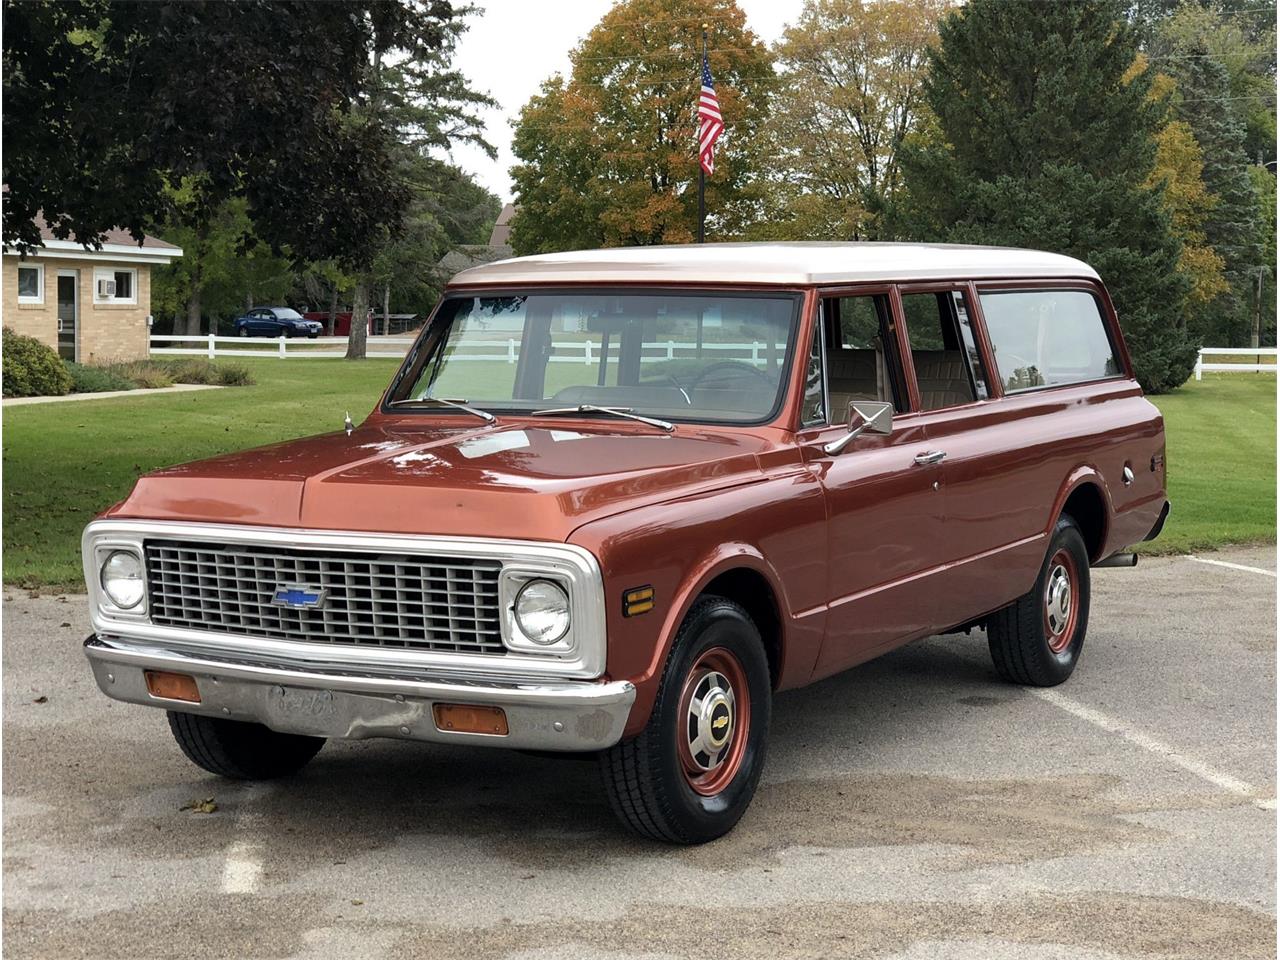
[286,313]
[682,356]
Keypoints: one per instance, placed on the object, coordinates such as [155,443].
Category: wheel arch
[1085,497]
[737,572]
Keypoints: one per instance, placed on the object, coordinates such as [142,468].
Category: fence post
[755,353]
[212,348]
[282,339]
[1199,363]
[587,344]
[511,351]
[671,349]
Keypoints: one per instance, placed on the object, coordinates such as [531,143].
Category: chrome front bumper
[571,716]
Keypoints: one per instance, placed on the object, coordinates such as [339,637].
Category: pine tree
[1041,140]
[1231,227]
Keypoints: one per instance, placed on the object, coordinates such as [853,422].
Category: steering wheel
[736,366]
[678,385]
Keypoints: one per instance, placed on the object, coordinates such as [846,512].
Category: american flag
[710,123]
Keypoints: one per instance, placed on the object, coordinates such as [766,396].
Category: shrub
[87,379]
[143,373]
[205,371]
[32,369]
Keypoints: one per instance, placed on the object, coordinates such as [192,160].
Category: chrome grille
[406,601]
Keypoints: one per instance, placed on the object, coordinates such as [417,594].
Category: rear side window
[1046,338]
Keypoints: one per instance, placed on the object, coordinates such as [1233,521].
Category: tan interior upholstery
[854,375]
[942,378]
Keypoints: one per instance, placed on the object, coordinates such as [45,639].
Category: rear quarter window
[1047,338]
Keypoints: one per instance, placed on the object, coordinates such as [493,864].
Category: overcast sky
[516,44]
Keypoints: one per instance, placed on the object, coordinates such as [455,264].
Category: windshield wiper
[612,411]
[484,415]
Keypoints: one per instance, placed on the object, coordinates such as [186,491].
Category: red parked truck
[614,500]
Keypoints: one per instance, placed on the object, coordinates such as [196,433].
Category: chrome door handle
[930,458]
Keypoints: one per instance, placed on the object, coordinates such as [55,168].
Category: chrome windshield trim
[583,657]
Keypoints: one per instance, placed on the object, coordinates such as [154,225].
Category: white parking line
[1232,566]
[1223,781]
[242,864]
[242,869]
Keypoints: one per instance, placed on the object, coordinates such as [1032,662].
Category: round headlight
[122,578]
[542,611]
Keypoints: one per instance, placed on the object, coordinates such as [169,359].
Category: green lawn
[64,462]
[1222,462]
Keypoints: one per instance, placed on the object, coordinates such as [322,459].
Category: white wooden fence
[570,351]
[1257,352]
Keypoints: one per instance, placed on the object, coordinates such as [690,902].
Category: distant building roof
[501,235]
[117,244]
[471,255]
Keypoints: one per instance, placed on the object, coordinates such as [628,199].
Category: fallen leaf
[66,623]
[201,806]
[357,903]
[41,699]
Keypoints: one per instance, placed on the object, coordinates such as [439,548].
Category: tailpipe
[1119,560]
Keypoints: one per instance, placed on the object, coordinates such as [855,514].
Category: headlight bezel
[515,577]
[103,551]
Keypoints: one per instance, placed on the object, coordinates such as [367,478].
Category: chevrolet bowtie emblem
[719,723]
[298,597]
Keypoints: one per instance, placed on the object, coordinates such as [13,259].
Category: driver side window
[862,356]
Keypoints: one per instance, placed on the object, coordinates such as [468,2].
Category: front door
[68,314]
[883,502]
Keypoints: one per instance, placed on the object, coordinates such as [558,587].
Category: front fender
[775,527]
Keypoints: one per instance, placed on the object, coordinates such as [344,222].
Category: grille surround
[581,655]
[381,600]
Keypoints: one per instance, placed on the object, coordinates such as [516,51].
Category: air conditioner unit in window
[106,289]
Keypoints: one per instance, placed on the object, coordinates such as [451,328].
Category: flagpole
[702,174]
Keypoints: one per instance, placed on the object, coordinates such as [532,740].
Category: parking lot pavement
[913,808]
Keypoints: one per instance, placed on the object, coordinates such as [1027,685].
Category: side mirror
[865,416]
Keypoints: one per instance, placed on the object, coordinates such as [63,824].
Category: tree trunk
[192,328]
[358,336]
[333,310]
[1256,334]
[248,300]
[386,309]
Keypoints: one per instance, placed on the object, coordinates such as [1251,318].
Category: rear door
[883,507]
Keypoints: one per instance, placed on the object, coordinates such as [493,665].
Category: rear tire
[239,750]
[691,773]
[1037,639]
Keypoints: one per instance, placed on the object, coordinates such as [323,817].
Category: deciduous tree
[608,157]
[850,89]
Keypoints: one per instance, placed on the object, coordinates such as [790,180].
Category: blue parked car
[276,322]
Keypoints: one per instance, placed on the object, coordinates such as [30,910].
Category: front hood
[510,481]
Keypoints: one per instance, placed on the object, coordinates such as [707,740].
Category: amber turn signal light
[466,718]
[637,601]
[172,686]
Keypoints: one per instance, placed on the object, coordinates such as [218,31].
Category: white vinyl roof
[778,263]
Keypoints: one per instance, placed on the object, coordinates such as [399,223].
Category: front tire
[691,773]
[243,332]
[239,750]
[1036,640]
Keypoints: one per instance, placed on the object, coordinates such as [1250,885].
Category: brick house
[90,305]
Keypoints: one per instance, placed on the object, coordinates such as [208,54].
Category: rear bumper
[571,716]
[1159,524]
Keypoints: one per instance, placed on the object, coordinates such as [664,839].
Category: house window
[31,283]
[115,285]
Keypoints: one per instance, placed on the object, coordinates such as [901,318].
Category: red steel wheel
[714,721]
[1061,606]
